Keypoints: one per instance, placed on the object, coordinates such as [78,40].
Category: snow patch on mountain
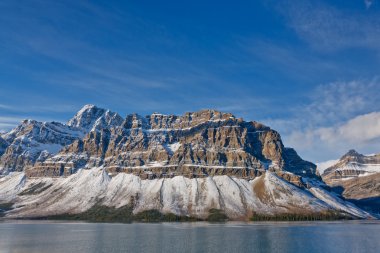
[11,185]
[178,195]
[338,204]
[369,168]
[172,148]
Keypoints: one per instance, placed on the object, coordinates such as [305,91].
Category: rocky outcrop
[363,187]
[33,142]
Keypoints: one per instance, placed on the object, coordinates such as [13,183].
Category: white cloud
[359,130]
[319,144]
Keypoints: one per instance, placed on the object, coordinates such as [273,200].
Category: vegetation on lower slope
[99,213]
[217,215]
[156,216]
[323,216]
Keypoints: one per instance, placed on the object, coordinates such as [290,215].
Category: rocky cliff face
[197,144]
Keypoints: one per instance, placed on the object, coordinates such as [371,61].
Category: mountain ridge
[207,138]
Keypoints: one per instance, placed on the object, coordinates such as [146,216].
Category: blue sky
[309,69]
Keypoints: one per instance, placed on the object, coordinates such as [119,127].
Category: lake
[53,237]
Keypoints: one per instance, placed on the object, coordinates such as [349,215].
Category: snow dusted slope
[11,185]
[239,198]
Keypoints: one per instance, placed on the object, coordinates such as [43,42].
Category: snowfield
[239,198]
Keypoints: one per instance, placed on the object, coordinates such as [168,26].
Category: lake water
[53,237]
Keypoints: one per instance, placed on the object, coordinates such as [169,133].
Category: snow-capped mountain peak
[352,165]
[91,117]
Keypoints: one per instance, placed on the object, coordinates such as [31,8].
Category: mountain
[32,141]
[185,165]
[352,165]
[357,176]
[196,144]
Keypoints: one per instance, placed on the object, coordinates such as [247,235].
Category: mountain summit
[92,117]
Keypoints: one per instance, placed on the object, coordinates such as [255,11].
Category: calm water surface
[53,237]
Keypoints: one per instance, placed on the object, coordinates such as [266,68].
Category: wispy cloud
[7,107]
[110,74]
[7,123]
[57,108]
[327,28]
[118,68]
[12,115]
[339,116]
[333,103]
[368,3]
[289,60]
[339,101]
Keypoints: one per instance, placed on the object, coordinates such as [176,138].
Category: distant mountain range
[183,165]
[356,177]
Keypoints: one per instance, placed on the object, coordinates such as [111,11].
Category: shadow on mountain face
[337,189]
[369,204]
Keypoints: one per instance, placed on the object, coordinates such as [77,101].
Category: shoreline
[196,223]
